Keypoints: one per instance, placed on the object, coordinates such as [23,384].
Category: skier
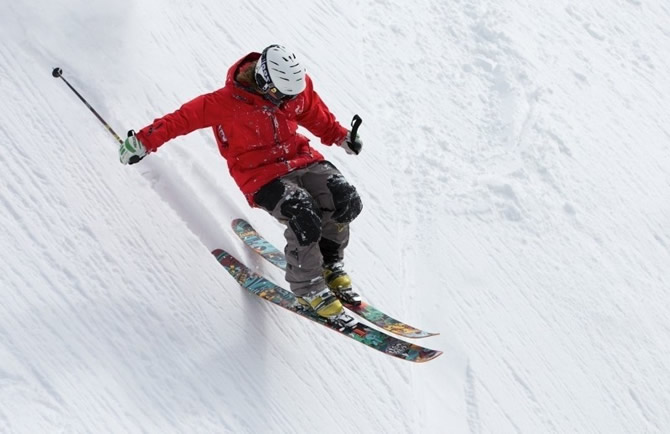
[254,118]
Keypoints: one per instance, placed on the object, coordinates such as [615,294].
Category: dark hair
[246,75]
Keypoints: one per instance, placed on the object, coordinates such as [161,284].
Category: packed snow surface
[515,176]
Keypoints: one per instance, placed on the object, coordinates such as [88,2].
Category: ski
[368,336]
[268,251]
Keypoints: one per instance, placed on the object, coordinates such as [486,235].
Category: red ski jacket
[258,139]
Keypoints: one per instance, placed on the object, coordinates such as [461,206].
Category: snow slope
[516,189]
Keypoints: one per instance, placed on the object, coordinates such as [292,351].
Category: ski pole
[58,73]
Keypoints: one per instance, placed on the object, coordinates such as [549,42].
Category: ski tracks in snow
[525,153]
[471,403]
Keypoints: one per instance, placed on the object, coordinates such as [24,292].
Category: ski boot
[340,283]
[326,305]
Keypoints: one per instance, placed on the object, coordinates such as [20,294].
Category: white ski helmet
[279,69]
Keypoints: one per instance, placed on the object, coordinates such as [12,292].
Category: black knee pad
[348,203]
[304,217]
[270,194]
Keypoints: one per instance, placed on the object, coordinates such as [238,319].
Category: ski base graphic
[368,336]
[268,251]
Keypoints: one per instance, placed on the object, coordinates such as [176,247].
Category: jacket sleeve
[316,117]
[198,113]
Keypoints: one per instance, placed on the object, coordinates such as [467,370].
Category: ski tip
[428,358]
[419,334]
[437,354]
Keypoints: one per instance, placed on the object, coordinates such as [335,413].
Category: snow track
[515,186]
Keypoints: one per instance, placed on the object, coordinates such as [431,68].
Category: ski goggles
[266,87]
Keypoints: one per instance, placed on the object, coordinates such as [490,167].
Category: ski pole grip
[355,123]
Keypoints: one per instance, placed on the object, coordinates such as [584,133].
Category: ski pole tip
[57,72]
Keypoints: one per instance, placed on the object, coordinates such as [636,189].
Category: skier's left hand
[354,146]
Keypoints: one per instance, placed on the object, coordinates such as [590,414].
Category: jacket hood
[230,78]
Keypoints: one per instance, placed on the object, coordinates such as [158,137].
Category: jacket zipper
[275,127]
[275,130]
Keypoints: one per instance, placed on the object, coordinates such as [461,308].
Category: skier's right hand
[353,146]
[132,150]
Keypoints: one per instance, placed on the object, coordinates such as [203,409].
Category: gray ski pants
[316,204]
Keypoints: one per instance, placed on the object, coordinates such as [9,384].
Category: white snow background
[516,184]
